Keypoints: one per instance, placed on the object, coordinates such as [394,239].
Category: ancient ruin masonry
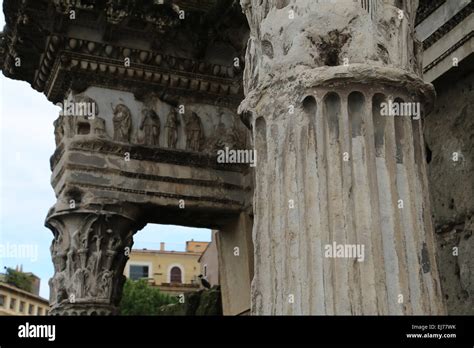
[332,167]
[156,89]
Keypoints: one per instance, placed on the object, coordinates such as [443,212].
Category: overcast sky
[26,144]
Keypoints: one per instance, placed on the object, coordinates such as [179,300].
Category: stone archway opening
[169,258]
[222,254]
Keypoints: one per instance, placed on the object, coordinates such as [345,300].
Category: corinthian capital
[89,253]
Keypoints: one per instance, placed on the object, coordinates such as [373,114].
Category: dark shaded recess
[79,85]
[261,139]
[332,108]
[417,146]
[192,216]
[330,47]
[383,53]
[399,134]
[425,259]
[75,194]
[309,105]
[399,4]
[83,128]
[224,14]
[245,117]
[429,154]
[379,121]
[267,48]
[451,204]
[355,106]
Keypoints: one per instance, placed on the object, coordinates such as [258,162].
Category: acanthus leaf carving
[88,253]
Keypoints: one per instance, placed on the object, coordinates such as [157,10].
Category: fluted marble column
[331,167]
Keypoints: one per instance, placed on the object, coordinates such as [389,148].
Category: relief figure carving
[171,128]
[194,133]
[150,128]
[122,123]
[58,130]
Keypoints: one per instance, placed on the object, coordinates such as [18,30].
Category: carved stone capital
[89,252]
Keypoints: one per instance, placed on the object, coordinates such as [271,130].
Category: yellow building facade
[14,301]
[173,272]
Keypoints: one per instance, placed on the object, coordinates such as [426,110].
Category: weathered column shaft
[333,171]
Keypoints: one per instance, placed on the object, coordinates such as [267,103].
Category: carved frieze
[223,136]
[150,128]
[58,130]
[194,133]
[79,116]
[122,121]
[171,128]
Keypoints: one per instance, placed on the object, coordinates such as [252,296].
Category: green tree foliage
[140,298]
[19,279]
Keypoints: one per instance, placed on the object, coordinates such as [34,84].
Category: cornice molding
[53,62]
[100,64]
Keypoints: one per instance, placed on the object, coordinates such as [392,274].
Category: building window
[138,272]
[30,309]
[22,307]
[2,300]
[205,270]
[12,303]
[39,311]
[175,275]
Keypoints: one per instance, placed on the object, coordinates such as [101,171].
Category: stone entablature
[57,45]
[70,61]
[331,168]
[146,152]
